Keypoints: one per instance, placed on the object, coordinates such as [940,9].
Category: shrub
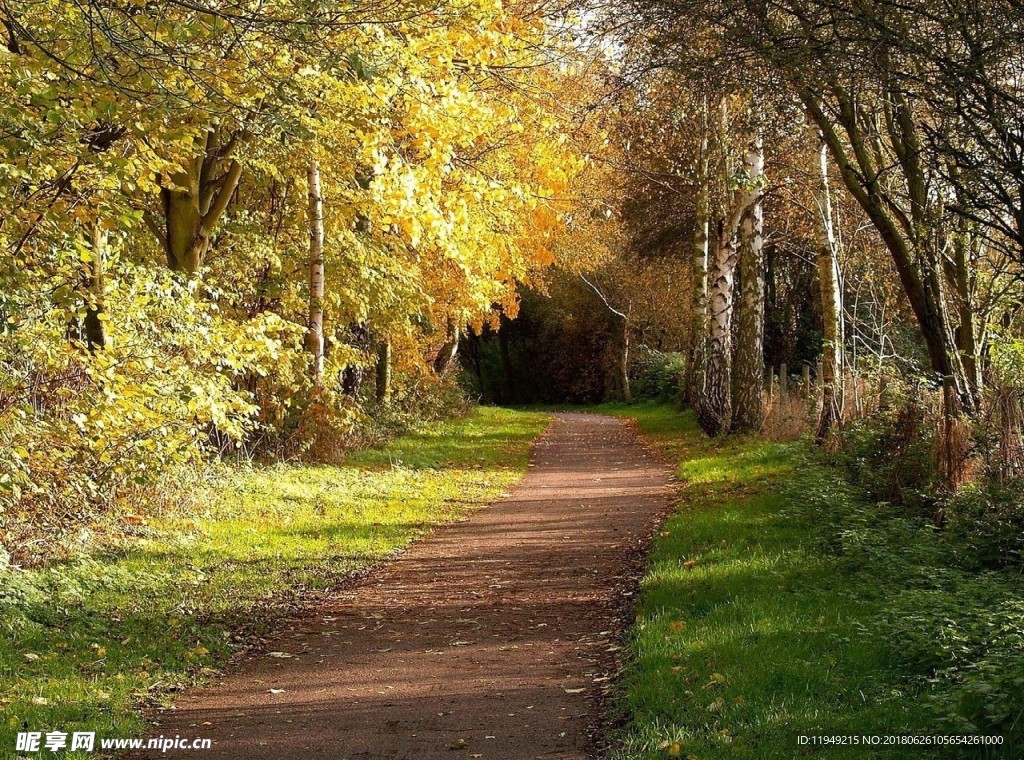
[83,433]
[985,522]
[891,456]
[657,375]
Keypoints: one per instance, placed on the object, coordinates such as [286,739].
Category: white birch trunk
[830,287]
[748,388]
[714,407]
[315,327]
[699,298]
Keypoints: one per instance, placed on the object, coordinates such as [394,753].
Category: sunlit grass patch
[83,644]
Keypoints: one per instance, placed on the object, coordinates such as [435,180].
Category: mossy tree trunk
[194,200]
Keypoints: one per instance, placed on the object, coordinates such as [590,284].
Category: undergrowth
[781,601]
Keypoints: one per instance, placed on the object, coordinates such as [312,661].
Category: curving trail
[491,638]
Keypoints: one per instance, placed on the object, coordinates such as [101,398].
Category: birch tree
[830,287]
[714,405]
[699,297]
[748,378]
[315,322]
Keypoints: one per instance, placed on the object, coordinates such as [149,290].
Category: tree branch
[604,300]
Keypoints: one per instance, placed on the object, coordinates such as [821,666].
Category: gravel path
[491,638]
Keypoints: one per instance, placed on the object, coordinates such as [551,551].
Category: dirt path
[491,636]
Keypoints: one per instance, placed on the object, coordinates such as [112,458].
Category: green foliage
[955,628]
[83,644]
[891,455]
[984,521]
[657,375]
[86,431]
[781,600]
[1007,357]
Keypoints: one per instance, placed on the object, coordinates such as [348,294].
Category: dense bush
[891,455]
[986,522]
[85,431]
[657,375]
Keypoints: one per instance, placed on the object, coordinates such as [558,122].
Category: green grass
[84,644]
[772,607]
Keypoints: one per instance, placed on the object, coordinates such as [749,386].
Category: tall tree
[748,375]
[830,288]
[695,367]
[315,220]
[714,405]
[908,219]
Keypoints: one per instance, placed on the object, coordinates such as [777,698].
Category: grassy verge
[778,602]
[83,644]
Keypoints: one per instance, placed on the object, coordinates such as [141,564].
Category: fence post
[806,379]
[783,383]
